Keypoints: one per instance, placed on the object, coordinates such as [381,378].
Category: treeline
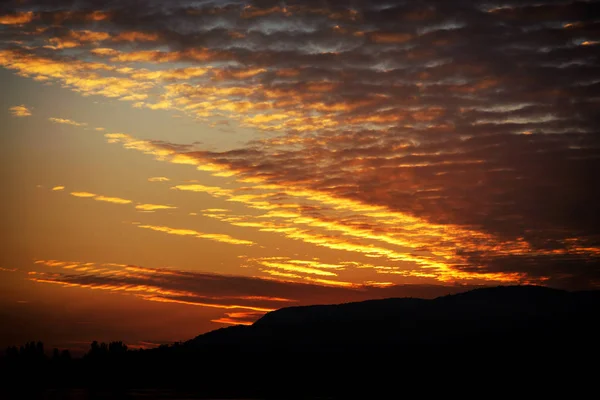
[222,371]
[58,368]
[33,353]
[532,334]
[115,366]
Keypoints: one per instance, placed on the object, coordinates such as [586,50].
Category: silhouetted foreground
[516,331]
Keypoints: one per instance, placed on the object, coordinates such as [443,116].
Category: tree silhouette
[117,348]
[354,340]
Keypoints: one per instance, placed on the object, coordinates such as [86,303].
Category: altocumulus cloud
[463,115]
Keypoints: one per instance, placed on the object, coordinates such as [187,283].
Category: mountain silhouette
[330,350]
[510,314]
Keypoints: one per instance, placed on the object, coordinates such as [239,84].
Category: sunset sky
[169,168]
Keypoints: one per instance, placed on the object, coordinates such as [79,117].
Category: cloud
[66,121]
[247,297]
[78,75]
[83,194]
[158,179]
[217,237]
[133,36]
[20,111]
[153,207]
[114,200]
[106,199]
[18,18]
[426,134]
[76,38]
[58,188]
[432,249]
[239,318]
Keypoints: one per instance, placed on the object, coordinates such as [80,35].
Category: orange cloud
[114,200]
[133,36]
[58,188]
[106,199]
[146,147]
[213,190]
[297,269]
[83,194]
[440,260]
[238,318]
[97,16]
[217,237]
[153,207]
[17,18]
[436,263]
[349,123]
[77,38]
[20,111]
[168,74]
[78,75]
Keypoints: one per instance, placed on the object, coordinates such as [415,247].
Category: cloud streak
[118,200]
[247,297]
[217,237]
[106,199]
[65,121]
[436,251]
[158,179]
[153,207]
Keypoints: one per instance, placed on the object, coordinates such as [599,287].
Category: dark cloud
[243,295]
[570,271]
[457,112]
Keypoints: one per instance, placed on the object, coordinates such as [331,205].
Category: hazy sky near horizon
[174,167]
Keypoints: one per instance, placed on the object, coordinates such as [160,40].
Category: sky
[170,168]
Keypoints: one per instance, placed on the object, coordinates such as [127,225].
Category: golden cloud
[20,111]
[153,207]
[114,200]
[106,199]
[347,122]
[78,75]
[65,121]
[83,194]
[200,235]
